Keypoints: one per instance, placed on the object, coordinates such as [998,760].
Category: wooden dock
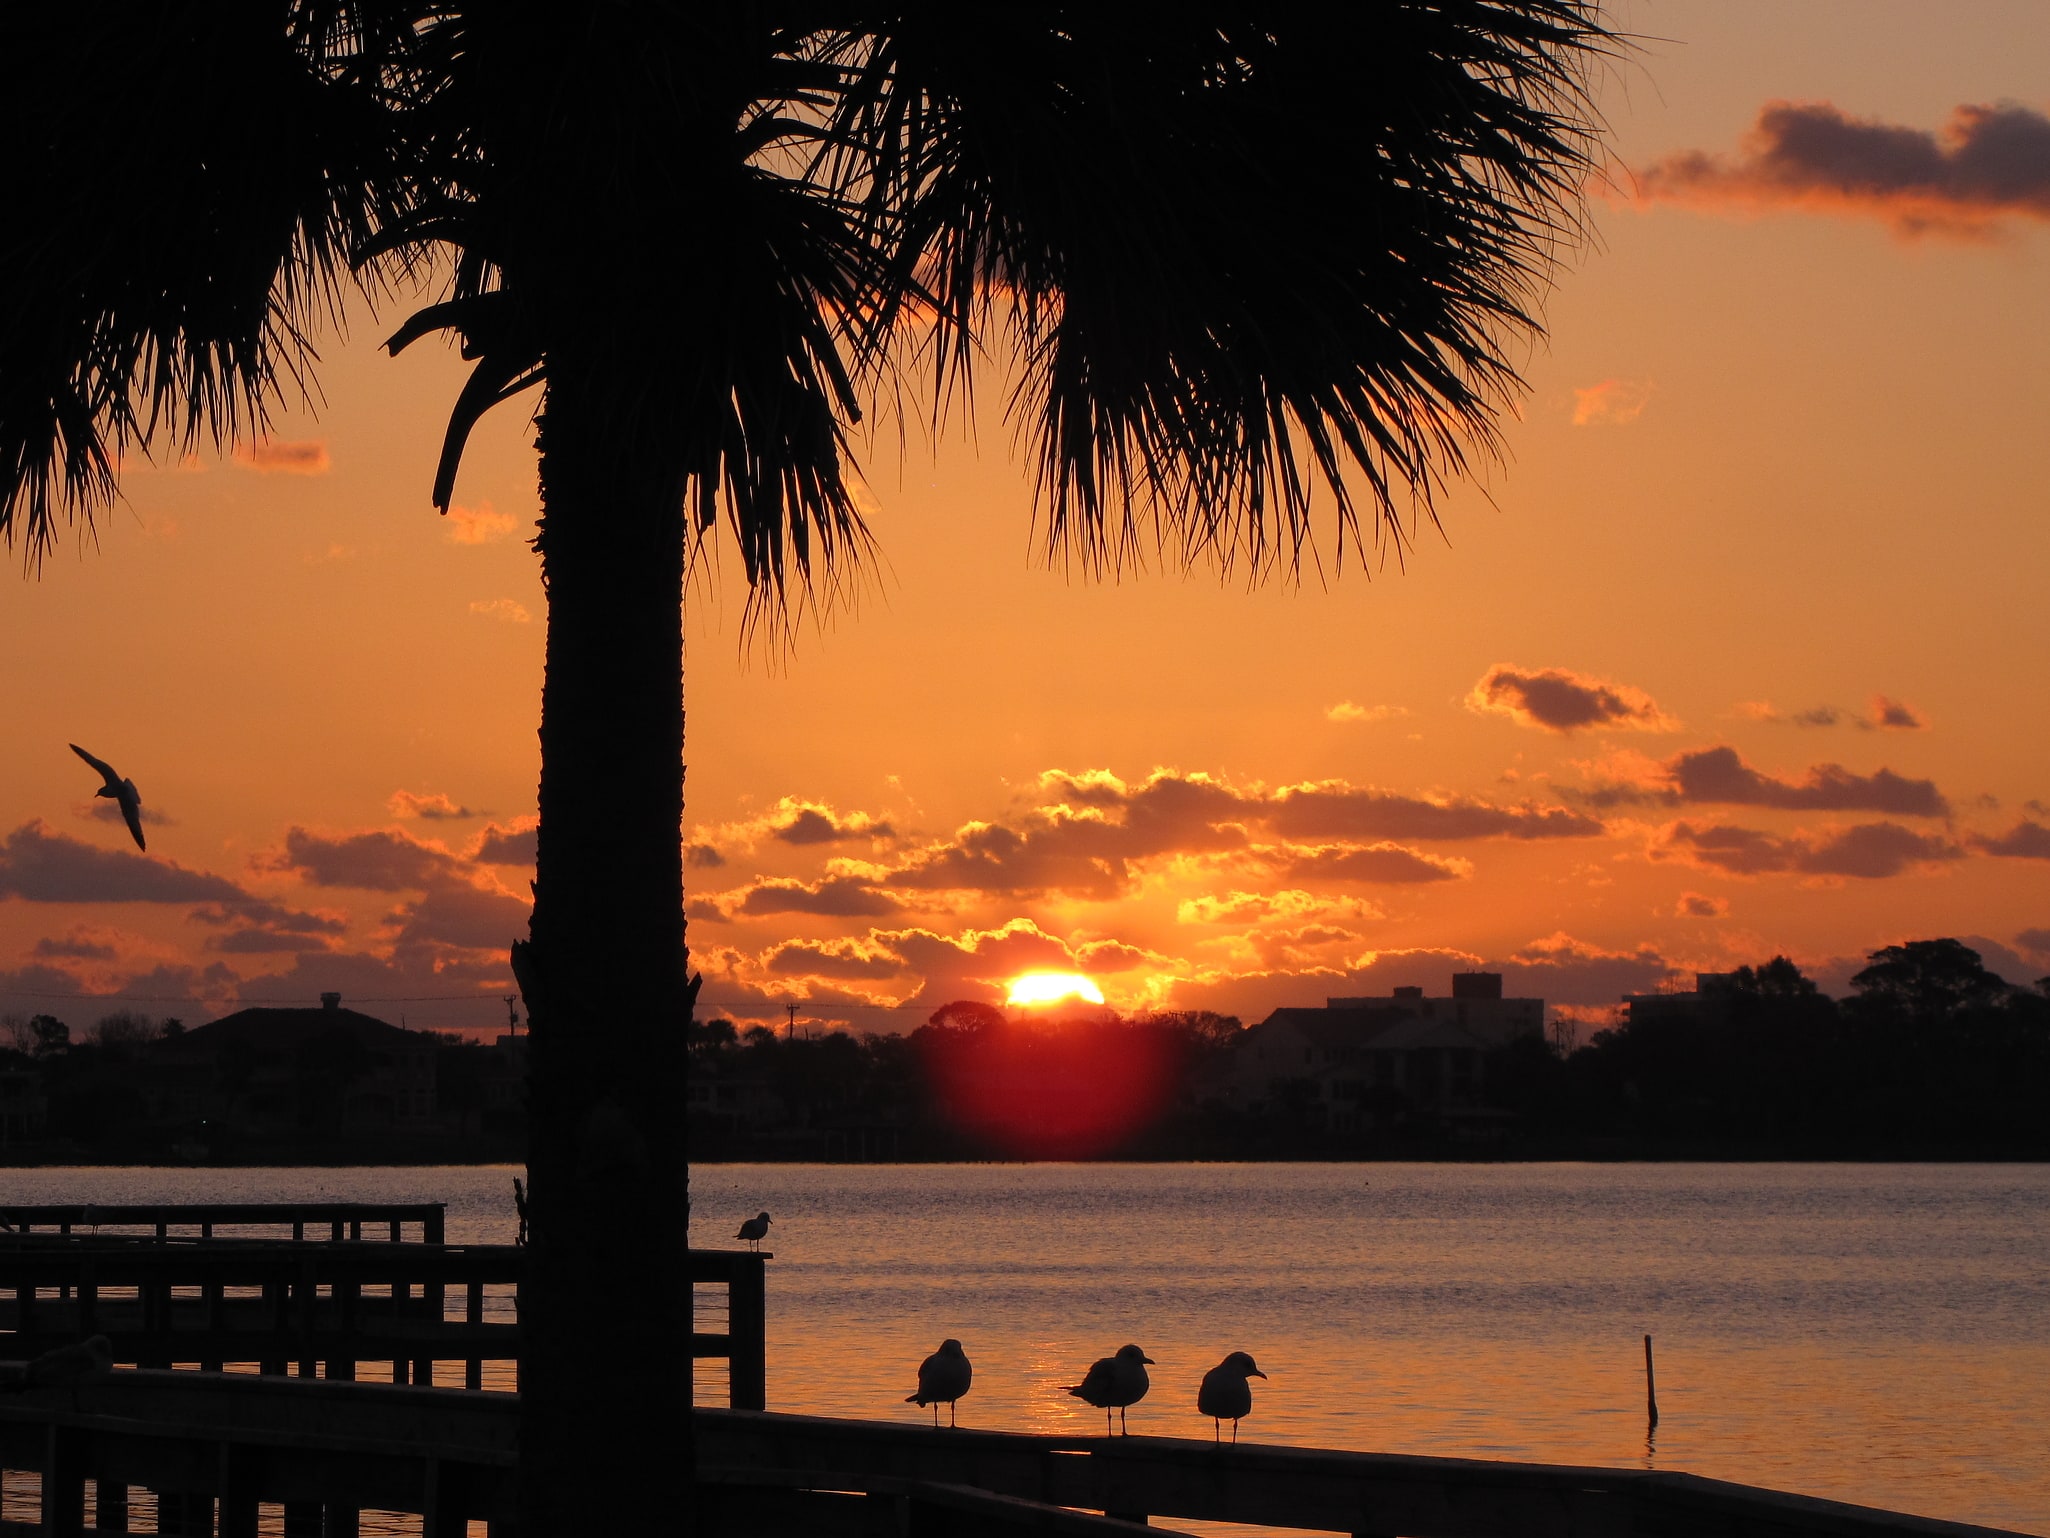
[227,1445]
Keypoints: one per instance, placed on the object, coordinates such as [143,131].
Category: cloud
[106,809]
[1986,166]
[1376,864]
[1888,715]
[810,822]
[507,845]
[478,525]
[1255,907]
[2026,840]
[1562,701]
[1346,710]
[1612,403]
[702,857]
[382,861]
[42,865]
[434,807]
[1764,710]
[265,942]
[832,897]
[2036,940]
[276,457]
[1720,777]
[76,946]
[1332,809]
[268,915]
[509,610]
[464,917]
[1694,905]
[1869,851]
[844,960]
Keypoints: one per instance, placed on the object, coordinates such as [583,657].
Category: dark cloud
[1561,701]
[273,456]
[833,897]
[106,809]
[812,824]
[1379,864]
[465,917]
[702,857]
[42,865]
[847,960]
[1719,777]
[74,948]
[977,964]
[2036,940]
[264,942]
[506,846]
[1869,851]
[1988,164]
[434,806]
[1337,811]
[268,915]
[380,861]
[1891,716]
[1695,905]
[2026,840]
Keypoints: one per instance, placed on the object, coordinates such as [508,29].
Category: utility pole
[790,1029]
[512,1017]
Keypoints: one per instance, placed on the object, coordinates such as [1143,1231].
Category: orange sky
[1737,654]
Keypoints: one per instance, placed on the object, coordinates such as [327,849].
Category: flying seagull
[1227,1394]
[754,1230]
[943,1378]
[1115,1382]
[123,791]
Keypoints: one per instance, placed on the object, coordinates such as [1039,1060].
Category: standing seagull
[943,1378]
[1114,1382]
[123,791]
[1226,1393]
[754,1230]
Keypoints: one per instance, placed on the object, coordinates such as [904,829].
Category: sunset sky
[1739,652]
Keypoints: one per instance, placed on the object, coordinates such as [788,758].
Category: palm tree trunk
[605,1307]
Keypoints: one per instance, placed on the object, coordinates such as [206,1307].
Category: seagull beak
[1149,1361]
[1258,1374]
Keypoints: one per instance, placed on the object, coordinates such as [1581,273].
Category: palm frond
[1244,253]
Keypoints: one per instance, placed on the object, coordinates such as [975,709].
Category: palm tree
[1237,259]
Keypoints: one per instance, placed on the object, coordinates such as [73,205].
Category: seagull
[943,1378]
[754,1230]
[87,1359]
[1226,1393]
[1114,1382]
[123,792]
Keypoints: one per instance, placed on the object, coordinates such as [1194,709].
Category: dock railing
[198,1220]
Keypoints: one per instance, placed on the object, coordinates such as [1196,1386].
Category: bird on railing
[1226,1393]
[81,1362]
[943,1378]
[754,1230]
[1115,1383]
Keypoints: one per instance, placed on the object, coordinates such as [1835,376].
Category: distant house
[1361,1063]
[266,1071]
[1711,998]
[24,1110]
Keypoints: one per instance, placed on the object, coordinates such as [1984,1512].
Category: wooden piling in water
[1651,1397]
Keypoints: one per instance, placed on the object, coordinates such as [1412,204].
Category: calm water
[1873,1333]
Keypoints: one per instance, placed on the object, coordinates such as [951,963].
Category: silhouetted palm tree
[1234,256]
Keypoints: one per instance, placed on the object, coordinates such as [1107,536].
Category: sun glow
[1052,988]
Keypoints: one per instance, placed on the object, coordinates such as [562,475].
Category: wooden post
[473,1364]
[1651,1398]
[238,1504]
[110,1506]
[215,1297]
[746,1331]
[63,1484]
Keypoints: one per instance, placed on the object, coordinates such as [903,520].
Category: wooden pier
[227,1445]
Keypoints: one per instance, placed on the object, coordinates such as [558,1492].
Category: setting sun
[1052,988]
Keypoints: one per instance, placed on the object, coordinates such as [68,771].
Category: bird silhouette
[754,1230]
[1226,1394]
[123,791]
[1115,1383]
[943,1378]
[78,1363]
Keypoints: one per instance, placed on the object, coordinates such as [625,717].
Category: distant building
[1361,1063]
[24,1110]
[266,1070]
